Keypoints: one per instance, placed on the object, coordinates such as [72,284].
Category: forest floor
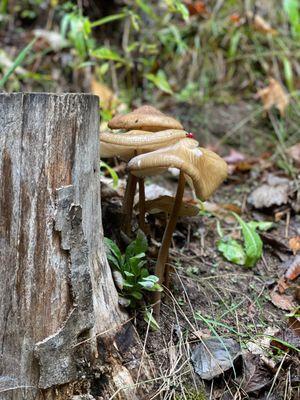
[211,298]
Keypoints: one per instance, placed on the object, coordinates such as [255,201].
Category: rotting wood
[52,258]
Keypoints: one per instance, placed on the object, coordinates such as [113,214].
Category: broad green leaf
[137,295]
[160,80]
[113,248]
[148,317]
[112,173]
[127,284]
[113,261]
[260,225]
[137,246]
[18,61]
[104,53]
[148,285]
[135,264]
[144,273]
[152,278]
[129,274]
[232,250]
[252,243]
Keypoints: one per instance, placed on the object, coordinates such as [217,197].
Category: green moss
[193,394]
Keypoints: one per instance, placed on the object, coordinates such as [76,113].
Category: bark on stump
[62,334]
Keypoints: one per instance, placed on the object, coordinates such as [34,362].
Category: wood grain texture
[56,289]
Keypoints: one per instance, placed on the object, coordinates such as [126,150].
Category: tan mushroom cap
[203,168]
[166,204]
[127,145]
[146,118]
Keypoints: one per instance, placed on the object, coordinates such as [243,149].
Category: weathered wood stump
[61,331]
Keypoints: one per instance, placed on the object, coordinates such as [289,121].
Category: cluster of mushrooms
[151,143]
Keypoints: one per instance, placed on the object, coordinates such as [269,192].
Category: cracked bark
[57,295]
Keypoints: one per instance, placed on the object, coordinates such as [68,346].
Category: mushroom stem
[142,205]
[166,242]
[128,203]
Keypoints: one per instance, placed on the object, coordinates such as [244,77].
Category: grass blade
[18,61]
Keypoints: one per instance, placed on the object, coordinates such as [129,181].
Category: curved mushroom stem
[142,205]
[128,203]
[166,242]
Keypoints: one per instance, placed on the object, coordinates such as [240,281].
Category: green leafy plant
[250,251]
[135,277]
[77,29]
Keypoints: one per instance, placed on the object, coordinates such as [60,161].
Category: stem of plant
[142,205]
[128,203]
[166,242]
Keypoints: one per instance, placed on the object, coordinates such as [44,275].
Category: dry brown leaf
[236,18]
[294,269]
[197,7]
[266,196]
[294,323]
[234,157]
[260,24]
[282,301]
[274,95]
[294,153]
[282,284]
[294,244]
[108,99]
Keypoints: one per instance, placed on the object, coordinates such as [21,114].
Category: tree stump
[62,333]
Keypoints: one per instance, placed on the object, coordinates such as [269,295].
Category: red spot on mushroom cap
[190,135]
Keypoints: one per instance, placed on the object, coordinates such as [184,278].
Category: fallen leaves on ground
[197,7]
[260,24]
[294,153]
[234,156]
[257,22]
[239,162]
[274,95]
[256,374]
[282,301]
[294,269]
[286,339]
[294,244]
[214,356]
[222,211]
[260,346]
[274,193]
[108,99]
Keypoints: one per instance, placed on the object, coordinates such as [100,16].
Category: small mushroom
[146,118]
[202,168]
[128,145]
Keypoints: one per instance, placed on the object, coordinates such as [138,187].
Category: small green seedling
[135,277]
[251,251]
[111,172]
